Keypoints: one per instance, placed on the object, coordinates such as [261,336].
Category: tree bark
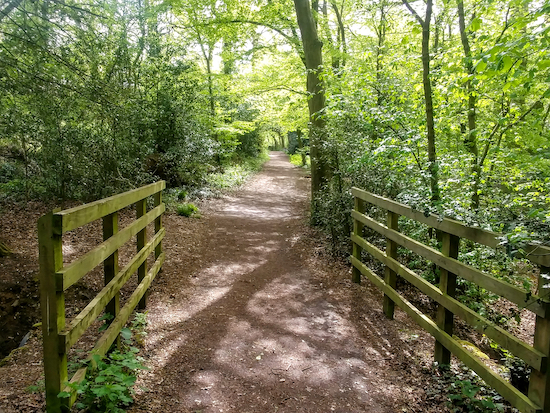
[428,97]
[315,87]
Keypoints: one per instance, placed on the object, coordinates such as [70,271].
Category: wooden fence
[536,356]
[56,278]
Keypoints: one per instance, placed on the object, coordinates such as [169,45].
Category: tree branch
[413,11]
[11,5]
[299,92]
[536,104]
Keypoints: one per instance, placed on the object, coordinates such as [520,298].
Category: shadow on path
[254,328]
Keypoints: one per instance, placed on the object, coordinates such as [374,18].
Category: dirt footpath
[257,318]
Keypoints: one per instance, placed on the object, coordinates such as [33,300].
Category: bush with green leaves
[187,209]
[109,387]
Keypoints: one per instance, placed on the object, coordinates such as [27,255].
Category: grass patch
[236,174]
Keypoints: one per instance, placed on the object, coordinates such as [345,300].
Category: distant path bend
[246,318]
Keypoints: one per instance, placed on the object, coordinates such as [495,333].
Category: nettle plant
[109,386]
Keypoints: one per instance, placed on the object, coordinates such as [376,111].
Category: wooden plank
[357,230]
[522,298]
[52,304]
[539,381]
[519,348]
[535,253]
[87,316]
[104,343]
[448,225]
[110,265]
[109,336]
[77,269]
[141,210]
[447,285]
[76,217]
[538,254]
[506,390]
[390,276]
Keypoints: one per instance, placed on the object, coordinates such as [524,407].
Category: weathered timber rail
[55,279]
[536,356]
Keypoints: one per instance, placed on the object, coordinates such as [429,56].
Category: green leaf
[481,65]
[543,64]
[126,333]
[507,63]
[476,24]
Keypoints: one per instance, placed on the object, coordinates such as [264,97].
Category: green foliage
[463,391]
[465,396]
[108,385]
[187,209]
[182,195]
[138,327]
[519,373]
[109,112]
[237,173]
[296,159]
[39,387]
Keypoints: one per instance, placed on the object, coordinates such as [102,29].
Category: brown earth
[250,314]
[262,320]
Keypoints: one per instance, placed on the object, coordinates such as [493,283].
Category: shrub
[108,387]
[186,210]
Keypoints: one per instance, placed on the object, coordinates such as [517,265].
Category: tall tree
[313,56]
[428,97]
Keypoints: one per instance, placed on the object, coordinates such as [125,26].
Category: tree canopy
[442,105]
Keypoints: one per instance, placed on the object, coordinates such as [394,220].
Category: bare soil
[262,320]
[250,314]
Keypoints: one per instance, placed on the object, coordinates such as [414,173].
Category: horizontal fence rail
[451,231]
[55,278]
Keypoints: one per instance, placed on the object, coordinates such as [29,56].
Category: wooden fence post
[390,276]
[110,265]
[539,381]
[357,231]
[158,224]
[141,210]
[447,285]
[52,303]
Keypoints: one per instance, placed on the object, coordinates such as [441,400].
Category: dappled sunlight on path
[252,328]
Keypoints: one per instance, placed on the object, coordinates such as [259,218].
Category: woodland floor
[250,314]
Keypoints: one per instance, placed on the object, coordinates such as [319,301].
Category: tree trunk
[301,146]
[315,87]
[471,138]
[430,130]
[342,46]
[428,96]
[381,34]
